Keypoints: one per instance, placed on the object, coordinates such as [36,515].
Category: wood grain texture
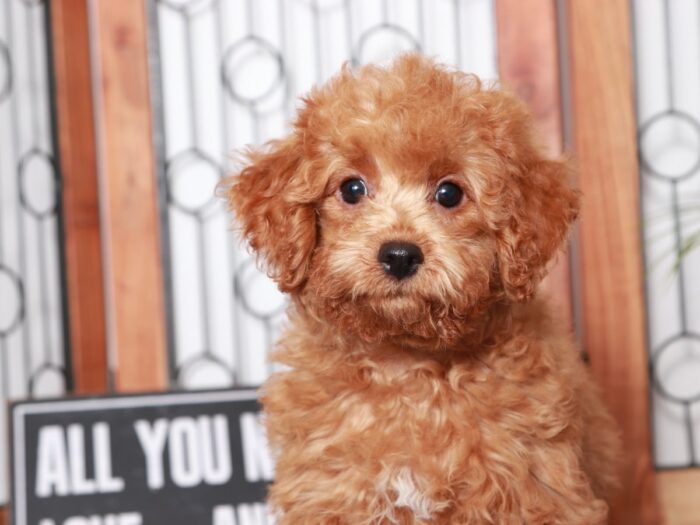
[679,494]
[528,63]
[610,247]
[130,197]
[78,164]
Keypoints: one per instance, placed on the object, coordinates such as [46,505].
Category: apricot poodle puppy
[410,215]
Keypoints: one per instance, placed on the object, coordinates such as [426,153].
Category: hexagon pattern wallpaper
[230,75]
[32,313]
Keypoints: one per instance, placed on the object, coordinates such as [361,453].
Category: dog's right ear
[273,198]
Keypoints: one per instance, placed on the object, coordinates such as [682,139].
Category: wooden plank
[136,299]
[528,63]
[678,493]
[78,164]
[610,251]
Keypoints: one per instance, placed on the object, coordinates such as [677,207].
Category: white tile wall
[231,74]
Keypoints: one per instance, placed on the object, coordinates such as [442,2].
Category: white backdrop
[31,323]
[667,42]
[231,75]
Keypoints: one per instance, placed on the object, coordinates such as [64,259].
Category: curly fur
[450,397]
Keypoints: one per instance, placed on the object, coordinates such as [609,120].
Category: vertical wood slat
[610,246]
[78,164]
[129,191]
[528,63]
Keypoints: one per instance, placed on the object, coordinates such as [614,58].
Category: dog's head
[405,200]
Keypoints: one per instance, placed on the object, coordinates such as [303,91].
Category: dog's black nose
[400,259]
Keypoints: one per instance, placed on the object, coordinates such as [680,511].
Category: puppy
[410,215]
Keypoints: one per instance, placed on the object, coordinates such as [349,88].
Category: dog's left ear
[543,206]
[273,199]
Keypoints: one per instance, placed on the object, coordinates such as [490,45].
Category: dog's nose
[400,259]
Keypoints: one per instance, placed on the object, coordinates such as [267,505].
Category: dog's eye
[448,195]
[352,190]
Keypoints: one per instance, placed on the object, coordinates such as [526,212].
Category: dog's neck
[491,327]
[319,348]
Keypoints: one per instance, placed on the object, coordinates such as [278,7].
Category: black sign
[163,459]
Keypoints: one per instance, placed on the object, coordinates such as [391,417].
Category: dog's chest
[416,438]
[411,441]
[430,441]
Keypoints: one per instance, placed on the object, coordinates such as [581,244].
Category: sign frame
[19,410]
